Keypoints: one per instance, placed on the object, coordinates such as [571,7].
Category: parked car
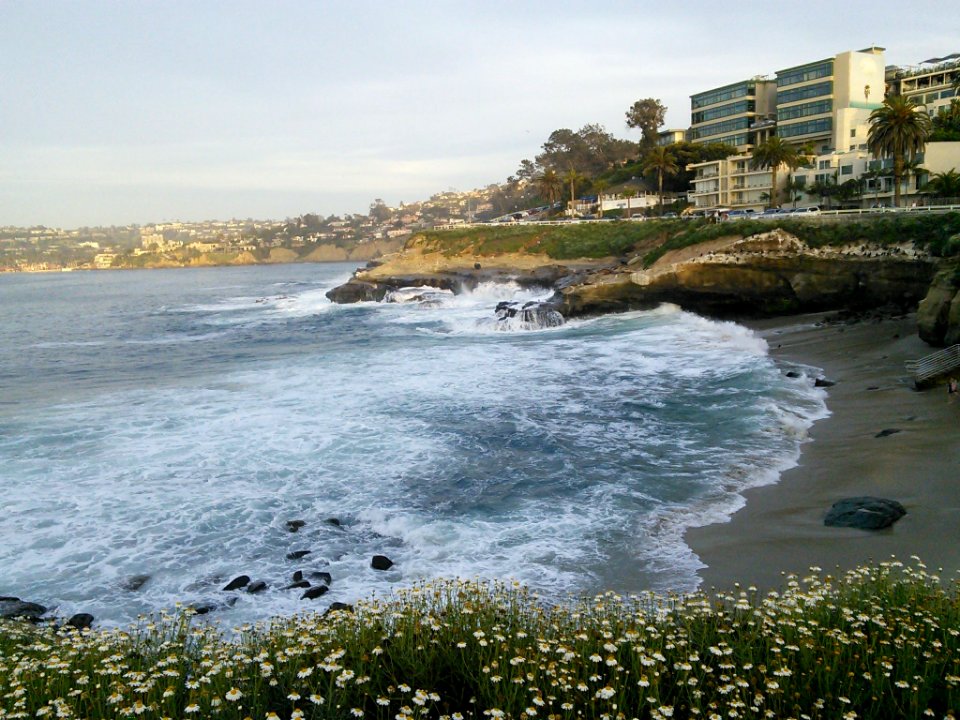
[741,214]
[812,210]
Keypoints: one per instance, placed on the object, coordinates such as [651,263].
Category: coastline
[781,530]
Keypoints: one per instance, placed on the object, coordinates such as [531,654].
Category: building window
[805,93]
[853,133]
[809,127]
[805,110]
[823,164]
[737,108]
[805,73]
[846,169]
[723,94]
[720,127]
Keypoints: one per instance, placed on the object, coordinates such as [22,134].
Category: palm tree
[662,161]
[944,184]
[628,194]
[773,153]
[794,190]
[898,128]
[573,177]
[598,187]
[550,186]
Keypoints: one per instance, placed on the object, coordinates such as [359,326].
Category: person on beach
[952,389]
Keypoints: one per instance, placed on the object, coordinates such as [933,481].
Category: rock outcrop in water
[772,273]
[530,315]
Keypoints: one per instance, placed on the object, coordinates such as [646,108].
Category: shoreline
[780,530]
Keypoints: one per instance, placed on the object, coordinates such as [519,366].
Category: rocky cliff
[938,317]
[771,273]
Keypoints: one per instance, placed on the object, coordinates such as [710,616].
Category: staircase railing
[935,365]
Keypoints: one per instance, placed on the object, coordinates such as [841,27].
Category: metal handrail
[935,364]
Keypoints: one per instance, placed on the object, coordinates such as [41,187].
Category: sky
[136,112]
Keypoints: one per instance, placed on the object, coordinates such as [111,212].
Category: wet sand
[781,530]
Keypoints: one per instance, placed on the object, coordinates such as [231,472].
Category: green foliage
[880,642]
[561,242]
[646,116]
[656,237]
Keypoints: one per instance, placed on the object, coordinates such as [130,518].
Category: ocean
[159,429]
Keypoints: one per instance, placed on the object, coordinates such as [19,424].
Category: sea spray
[168,424]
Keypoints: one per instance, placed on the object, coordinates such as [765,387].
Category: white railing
[934,365]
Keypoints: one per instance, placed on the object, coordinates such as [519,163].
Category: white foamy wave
[571,459]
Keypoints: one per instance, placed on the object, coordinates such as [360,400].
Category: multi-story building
[669,137]
[929,84]
[824,104]
[725,114]
[827,103]
[731,183]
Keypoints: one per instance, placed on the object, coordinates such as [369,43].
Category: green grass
[880,642]
[940,234]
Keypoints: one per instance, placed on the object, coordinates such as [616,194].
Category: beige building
[669,137]
[929,84]
[827,103]
[731,183]
[824,104]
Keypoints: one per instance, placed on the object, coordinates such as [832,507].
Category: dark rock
[873,387]
[294,525]
[323,577]
[297,584]
[381,562]
[476,266]
[357,291]
[81,621]
[346,607]
[257,586]
[314,592]
[298,576]
[297,554]
[17,608]
[533,314]
[238,582]
[134,582]
[207,606]
[793,374]
[887,432]
[821,382]
[866,513]
[333,521]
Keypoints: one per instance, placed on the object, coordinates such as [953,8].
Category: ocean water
[161,427]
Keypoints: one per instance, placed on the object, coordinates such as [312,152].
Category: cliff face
[769,274]
[772,273]
[938,317]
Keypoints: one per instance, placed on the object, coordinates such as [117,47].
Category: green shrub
[881,642]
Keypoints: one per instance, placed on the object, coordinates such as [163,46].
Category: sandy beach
[781,530]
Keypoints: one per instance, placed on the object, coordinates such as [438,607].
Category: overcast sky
[137,112]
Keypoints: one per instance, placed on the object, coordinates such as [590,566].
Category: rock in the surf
[257,586]
[12,607]
[381,562]
[238,582]
[81,621]
[314,592]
